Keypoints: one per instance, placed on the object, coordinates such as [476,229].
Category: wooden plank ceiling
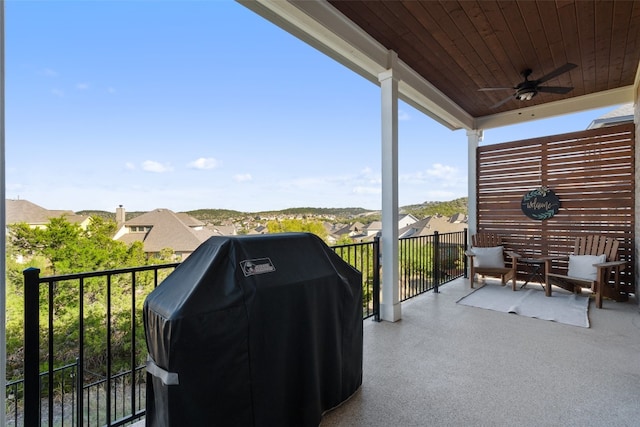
[463,46]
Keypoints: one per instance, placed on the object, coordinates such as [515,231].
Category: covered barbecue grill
[254,331]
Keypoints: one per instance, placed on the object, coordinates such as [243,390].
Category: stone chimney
[120,215]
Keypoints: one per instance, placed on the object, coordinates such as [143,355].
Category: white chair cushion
[581,266]
[488,257]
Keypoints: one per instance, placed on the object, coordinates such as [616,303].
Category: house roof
[167,230]
[25,211]
[622,114]
[444,52]
[431,224]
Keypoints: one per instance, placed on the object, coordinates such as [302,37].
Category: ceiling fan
[527,89]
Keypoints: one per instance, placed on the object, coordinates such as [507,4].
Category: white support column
[474,137]
[390,299]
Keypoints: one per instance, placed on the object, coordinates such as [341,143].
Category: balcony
[84,355]
[446,364]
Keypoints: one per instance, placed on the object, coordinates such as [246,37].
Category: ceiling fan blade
[486,89]
[502,102]
[554,89]
[566,67]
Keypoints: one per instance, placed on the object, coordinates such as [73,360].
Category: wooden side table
[536,271]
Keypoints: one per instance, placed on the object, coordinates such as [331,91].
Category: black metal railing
[429,261]
[108,389]
[64,403]
[117,369]
[365,257]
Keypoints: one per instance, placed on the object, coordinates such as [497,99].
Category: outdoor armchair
[487,257]
[593,264]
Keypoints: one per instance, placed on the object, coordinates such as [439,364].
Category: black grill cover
[254,331]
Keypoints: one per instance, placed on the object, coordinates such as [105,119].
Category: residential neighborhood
[162,229]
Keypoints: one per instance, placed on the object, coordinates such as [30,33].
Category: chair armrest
[587,282]
[614,265]
[469,253]
[609,264]
[513,254]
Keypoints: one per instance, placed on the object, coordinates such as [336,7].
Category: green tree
[297,225]
[62,248]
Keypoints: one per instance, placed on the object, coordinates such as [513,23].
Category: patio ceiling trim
[320,25]
[622,95]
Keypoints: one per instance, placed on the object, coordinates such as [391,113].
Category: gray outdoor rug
[564,308]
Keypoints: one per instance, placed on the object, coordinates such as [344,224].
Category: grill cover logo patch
[251,267]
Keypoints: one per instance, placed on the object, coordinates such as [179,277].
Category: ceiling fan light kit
[525,94]
[527,89]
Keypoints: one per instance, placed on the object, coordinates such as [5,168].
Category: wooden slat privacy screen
[593,174]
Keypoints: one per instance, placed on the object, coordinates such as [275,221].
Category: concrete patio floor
[445,364]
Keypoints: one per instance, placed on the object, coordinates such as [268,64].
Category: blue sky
[203,104]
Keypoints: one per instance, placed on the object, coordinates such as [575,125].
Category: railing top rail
[425,236]
[348,245]
[73,276]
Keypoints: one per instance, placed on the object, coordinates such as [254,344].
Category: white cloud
[367,190]
[49,72]
[403,116]
[82,86]
[442,175]
[242,177]
[369,176]
[130,166]
[438,182]
[442,171]
[58,92]
[153,166]
[204,163]
[111,90]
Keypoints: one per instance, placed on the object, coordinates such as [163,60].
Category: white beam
[390,308]
[425,97]
[608,98]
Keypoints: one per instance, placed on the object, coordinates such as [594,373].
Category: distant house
[406,220]
[163,229]
[352,231]
[23,211]
[261,229]
[374,228]
[223,230]
[431,224]
[459,218]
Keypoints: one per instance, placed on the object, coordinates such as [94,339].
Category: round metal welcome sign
[540,203]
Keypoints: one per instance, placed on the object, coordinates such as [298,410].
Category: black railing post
[79,386]
[436,262]
[31,346]
[80,359]
[376,279]
[466,258]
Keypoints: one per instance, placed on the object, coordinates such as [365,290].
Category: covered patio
[446,364]
[433,361]
[469,65]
